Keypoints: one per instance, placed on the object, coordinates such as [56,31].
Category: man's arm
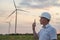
[53,34]
[34,32]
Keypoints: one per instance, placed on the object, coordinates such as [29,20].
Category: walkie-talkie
[34,22]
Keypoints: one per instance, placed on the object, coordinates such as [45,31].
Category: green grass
[19,37]
[16,37]
[58,37]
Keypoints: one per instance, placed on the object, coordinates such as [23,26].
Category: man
[47,32]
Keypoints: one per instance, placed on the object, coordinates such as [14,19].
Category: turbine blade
[14,3]
[22,10]
[11,13]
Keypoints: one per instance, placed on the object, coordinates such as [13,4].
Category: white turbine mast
[15,11]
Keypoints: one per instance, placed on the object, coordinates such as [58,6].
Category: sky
[25,19]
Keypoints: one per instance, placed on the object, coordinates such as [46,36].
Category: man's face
[43,20]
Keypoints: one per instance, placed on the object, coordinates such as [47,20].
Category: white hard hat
[46,15]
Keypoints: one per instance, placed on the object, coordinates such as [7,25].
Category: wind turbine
[9,23]
[15,11]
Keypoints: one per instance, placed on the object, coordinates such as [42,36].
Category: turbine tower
[9,26]
[15,11]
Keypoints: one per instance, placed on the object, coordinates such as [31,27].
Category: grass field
[19,37]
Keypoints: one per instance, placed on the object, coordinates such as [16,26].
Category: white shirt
[47,33]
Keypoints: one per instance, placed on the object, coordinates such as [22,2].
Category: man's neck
[44,25]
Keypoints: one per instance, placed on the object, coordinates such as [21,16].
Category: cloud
[25,2]
[39,3]
[2,12]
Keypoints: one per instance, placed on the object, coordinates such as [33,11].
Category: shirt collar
[46,26]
